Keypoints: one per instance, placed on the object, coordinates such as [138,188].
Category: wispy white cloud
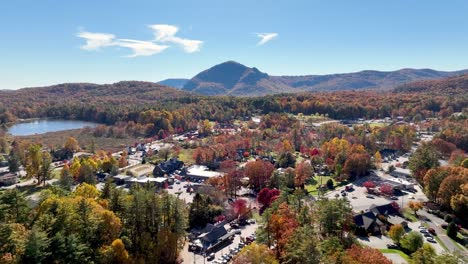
[167,34]
[140,48]
[95,41]
[266,37]
[164,35]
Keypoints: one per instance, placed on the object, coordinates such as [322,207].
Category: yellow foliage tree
[72,144]
[87,191]
[415,206]
[378,160]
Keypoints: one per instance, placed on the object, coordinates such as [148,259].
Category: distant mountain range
[176,83]
[232,78]
[456,85]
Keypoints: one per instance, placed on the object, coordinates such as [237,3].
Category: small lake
[41,126]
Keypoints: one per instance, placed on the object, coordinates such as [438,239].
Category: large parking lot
[361,201]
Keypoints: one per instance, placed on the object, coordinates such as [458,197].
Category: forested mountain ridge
[456,85]
[232,78]
[106,103]
[147,91]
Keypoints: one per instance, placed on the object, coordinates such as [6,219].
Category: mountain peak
[233,78]
[224,77]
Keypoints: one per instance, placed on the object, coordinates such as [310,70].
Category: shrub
[330,184]
[452,230]
[448,218]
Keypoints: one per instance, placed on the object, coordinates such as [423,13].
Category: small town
[229,187]
[234,132]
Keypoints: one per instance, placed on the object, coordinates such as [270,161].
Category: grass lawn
[313,184]
[408,214]
[56,173]
[186,155]
[459,236]
[53,139]
[377,125]
[396,251]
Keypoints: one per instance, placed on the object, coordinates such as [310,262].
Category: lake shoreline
[38,126]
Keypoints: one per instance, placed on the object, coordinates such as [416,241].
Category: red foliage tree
[369,184]
[364,255]
[267,196]
[258,172]
[239,207]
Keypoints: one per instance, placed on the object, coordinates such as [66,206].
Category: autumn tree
[423,159]
[432,180]
[267,196]
[304,171]
[412,241]
[364,255]
[123,161]
[66,178]
[34,162]
[415,206]
[357,165]
[258,172]
[451,185]
[378,160]
[72,145]
[459,201]
[425,255]
[116,253]
[369,185]
[396,232]
[281,226]
[239,208]
[255,254]
[204,128]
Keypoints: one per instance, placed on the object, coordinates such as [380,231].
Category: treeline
[89,226]
[167,109]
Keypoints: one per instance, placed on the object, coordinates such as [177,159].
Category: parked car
[394,198]
[237,231]
[392,246]
[411,197]
[432,231]
[370,196]
[444,226]
[210,256]
[430,239]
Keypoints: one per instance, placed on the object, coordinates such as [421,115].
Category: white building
[200,172]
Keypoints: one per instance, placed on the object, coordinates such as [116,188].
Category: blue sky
[41,43]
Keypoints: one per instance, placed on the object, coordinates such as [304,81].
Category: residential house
[374,221]
[8,178]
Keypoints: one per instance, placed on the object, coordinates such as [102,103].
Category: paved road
[435,222]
